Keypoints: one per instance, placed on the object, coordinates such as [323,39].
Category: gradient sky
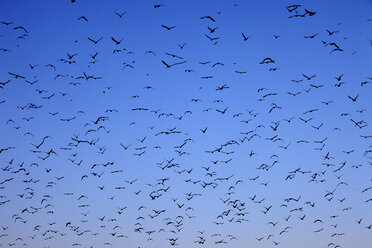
[41,203]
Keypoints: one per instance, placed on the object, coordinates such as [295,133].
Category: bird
[120,15]
[353,98]
[208,17]
[246,37]
[311,36]
[168,28]
[117,42]
[95,41]
[83,18]
[331,32]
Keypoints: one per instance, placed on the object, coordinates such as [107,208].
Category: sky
[185,123]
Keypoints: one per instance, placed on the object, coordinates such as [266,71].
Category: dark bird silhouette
[120,15]
[116,41]
[208,17]
[246,37]
[95,41]
[168,28]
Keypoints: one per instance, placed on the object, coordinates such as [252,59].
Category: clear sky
[189,123]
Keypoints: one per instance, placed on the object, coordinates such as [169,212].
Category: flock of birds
[88,162]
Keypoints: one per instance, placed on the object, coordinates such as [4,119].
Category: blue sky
[180,101]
